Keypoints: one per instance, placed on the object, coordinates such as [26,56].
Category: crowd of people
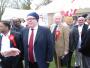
[35,46]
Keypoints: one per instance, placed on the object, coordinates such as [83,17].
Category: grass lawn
[52,64]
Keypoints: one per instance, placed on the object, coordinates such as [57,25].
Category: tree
[26,4]
[3,5]
[15,4]
[46,2]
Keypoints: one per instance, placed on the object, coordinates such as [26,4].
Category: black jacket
[85,49]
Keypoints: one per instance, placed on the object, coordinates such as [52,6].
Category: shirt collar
[35,28]
[8,34]
[81,25]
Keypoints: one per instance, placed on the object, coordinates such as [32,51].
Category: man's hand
[47,62]
[65,52]
[11,52]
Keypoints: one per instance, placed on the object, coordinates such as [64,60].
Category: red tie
[31,57]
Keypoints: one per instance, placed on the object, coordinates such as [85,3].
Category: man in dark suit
[10,47]
[76,37]
[86,43]
[37,42]
[85,49]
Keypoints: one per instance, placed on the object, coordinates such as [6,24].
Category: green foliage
[26,6]
[46,2]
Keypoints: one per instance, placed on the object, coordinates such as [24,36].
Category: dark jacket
[14,61]
[85,49]
[43,46]
[74,37]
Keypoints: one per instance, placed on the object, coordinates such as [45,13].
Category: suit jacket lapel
[77,31]
[0,42]
[37,35]
[11,44]
[26,36]
[84,29]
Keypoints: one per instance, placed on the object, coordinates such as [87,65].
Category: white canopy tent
[17,13]
[10,13]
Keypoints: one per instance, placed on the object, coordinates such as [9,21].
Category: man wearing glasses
[37,43]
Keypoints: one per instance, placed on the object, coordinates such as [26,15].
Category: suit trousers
[11,63]
[33,65]
[69,59]
[78,59]
[55,58]
[85,61]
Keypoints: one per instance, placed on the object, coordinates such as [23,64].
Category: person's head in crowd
[32,19]
[81,20]
[75,18]
[84,15]
[88,19]
[22,20]
[4,26]
[57,18]
[68,20]
[16,22]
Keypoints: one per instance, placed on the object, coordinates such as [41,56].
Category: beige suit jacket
[62,43]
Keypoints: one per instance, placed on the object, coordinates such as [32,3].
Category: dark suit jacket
[74,37]
[14,60]
[17,29]
[43,46]
[85,49]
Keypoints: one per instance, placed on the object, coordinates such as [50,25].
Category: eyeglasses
[30,19]
[80,20]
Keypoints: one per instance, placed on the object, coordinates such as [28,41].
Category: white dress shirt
[52,27]
[5,43]
[80,32]
[35,32]
[88,26]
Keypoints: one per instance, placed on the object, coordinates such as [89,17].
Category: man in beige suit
[61,39]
